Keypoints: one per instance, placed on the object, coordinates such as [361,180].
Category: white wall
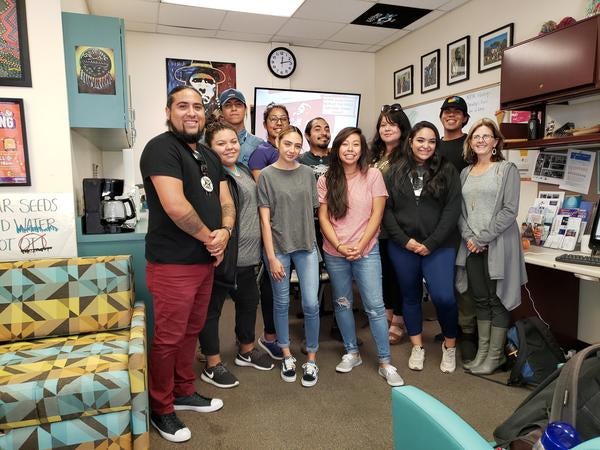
[328,70]
[46,108]
[474,18]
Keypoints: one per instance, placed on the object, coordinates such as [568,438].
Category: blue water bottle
[558,436]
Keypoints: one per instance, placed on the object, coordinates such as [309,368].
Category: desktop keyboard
[585,260]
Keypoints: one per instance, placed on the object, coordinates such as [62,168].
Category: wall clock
[281,62]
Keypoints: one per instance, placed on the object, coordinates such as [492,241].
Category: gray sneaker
[390,373]
[349,362]
[417,358]
[448,364]
[254,358]
[219,376]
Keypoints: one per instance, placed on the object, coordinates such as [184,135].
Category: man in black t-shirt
[318,136]
[454,115]
[191,215]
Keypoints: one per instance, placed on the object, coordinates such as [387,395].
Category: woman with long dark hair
[490,259]
[352,199]
[392,130]
[421,218]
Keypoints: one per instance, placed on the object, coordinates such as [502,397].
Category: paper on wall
[578,171]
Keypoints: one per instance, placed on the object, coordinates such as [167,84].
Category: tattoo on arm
[190,223]
[228,211]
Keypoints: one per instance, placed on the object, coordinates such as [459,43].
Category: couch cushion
[56,379]
[60,297]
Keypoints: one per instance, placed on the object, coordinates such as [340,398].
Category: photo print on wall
[492,45]
[430,71]
[457,60]
[403,82]
[209,78]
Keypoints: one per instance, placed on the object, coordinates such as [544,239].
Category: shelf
[585,141]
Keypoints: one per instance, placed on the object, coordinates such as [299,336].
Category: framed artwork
[209,78]
[492,45]
[430,71]
[457,60]
[14,160]
[14,58]
[95,67]
[403,82]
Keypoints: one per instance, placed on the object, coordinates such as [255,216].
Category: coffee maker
[104,211]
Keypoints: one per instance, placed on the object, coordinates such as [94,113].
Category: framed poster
[403,82]
[14,57]
[457,60]
[14,161]
[209,78]
[95,67]
[492,45]
[430,71]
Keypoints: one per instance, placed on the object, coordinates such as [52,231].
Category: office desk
[566,295]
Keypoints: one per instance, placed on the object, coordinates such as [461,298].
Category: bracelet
[229,229]
[338,246]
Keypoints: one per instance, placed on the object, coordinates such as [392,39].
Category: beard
[188,138]
[322,145]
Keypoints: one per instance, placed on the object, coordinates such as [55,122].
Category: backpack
[533,351]
[570,394]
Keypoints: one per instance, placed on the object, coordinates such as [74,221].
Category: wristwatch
[228,228]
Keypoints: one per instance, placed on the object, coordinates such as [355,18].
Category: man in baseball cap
[454,115]
[233,108]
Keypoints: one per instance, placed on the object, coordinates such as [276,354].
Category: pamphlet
[564,232]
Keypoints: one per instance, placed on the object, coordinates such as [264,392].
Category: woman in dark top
[421,218]
[392,130]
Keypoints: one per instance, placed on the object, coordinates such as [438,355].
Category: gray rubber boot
[495,357]
[483,345]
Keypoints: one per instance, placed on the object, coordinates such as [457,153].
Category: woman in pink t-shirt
[352,199]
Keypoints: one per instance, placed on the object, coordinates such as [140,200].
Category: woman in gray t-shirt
[287,197]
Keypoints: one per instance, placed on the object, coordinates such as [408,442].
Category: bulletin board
[34,226]
[482,102]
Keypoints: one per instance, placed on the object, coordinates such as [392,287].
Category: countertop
[138,235]
[542,256]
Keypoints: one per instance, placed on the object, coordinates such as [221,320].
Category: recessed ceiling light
[268,7]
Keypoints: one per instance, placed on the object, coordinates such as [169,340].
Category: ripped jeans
[366,271]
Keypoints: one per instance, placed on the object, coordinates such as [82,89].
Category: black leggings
[487,304]
[392,297]
[245,298]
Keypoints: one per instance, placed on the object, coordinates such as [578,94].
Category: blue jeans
[438,270]
[306,264]
[367,273]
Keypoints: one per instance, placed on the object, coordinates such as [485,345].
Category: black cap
[455,102]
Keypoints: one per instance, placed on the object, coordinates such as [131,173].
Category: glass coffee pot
[115,212]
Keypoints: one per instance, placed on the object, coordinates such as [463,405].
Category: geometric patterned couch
[72,355]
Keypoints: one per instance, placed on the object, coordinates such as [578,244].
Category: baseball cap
[230,93]
[455,102]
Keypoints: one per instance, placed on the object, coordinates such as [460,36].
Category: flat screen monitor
[595,233]
[340,110]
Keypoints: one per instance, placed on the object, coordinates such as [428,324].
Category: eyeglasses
[486,138]
[275,119]
[391,108]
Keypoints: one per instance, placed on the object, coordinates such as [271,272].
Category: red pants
[180,294]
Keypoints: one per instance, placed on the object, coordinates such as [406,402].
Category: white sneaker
[349,362]
[390,373]
[417,358]
[448,364]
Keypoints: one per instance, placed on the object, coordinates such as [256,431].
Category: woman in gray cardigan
[490,259]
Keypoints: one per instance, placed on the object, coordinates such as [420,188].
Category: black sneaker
[170,427]
[198,403]
[219,376]
[254,358]
[288,369]
[311,374]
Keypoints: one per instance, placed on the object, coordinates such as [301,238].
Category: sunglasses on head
[393,108]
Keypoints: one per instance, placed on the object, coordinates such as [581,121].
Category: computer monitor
[595,233]
[339,109]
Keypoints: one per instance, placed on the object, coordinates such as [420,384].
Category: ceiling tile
[342,11]
[190,17]
[332,45]
[300,41]
[393,38]
[235,36]
[311,29]
[425,4]
[361,34]
[424,20]
[139,26]
[166,29]
[136,10]
[452,4]
[251,23]
[375,48]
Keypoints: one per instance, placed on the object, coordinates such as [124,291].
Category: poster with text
[34,226]
[14,160]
